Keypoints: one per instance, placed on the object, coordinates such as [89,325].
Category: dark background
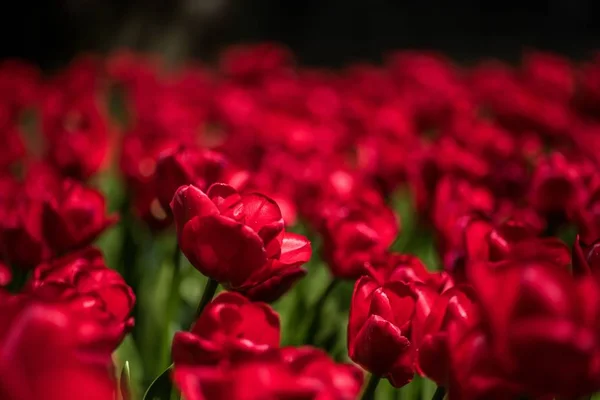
[321,32]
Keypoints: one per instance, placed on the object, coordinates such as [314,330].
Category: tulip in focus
[239,240]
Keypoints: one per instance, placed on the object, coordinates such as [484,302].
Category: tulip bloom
[475,373]
[47,216]
[455,306]
[78,137]
[239,240]
[300,373]
[511,240]
[396,267]
[229,325]
[379,329]
[42,357]
[74,217]
[187,166]
[354,232]
[557,187]
[543,325]
[90,288]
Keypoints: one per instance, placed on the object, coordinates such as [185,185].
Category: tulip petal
[359,309]
[262,214]
[190,349]
[378,346]
[278,282]
[223,249]
[295,249]
[190,202]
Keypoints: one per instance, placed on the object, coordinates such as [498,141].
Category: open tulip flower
[239,240]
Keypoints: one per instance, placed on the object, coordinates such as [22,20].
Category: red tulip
[23,244]
[454,199]
[543,325]
[379,329]
[557,187]
[474,371]
[42,357]
[78,137]
[187,166]
[396,267]
[139,158]
[19,84]
[354,232]
[83,281]
[74,217]
[303,374]
[455,306]
[239,240]
[252,63]
[549,75]
[510,240]
[229,325]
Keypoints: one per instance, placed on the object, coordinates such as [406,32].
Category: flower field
[257,229]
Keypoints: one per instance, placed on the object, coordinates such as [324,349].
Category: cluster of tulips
[444,219]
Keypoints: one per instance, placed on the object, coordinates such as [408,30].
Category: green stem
[439,394]
[369,393]
[129,252]
[209,293]
[171,308]
[316,320]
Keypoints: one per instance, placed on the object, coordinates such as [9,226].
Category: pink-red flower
[299,373]
[456,306]
[47,216]
[543,325]
[89,287]
[187,166]
[45,354]
[231,325]
[239,240]
[77,136]
[557,186]
[74,216]
[379,329]
[355,231]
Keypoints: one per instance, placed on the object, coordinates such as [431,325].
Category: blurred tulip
[355,231]
[42,356]
[300,373]
[543,325]
[89,287]
[187,166]
[229,325]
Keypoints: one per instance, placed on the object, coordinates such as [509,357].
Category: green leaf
[385,391]
[127,353]
[403,206]
[412,391]
[125,382]
[161,387]
[428,388]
